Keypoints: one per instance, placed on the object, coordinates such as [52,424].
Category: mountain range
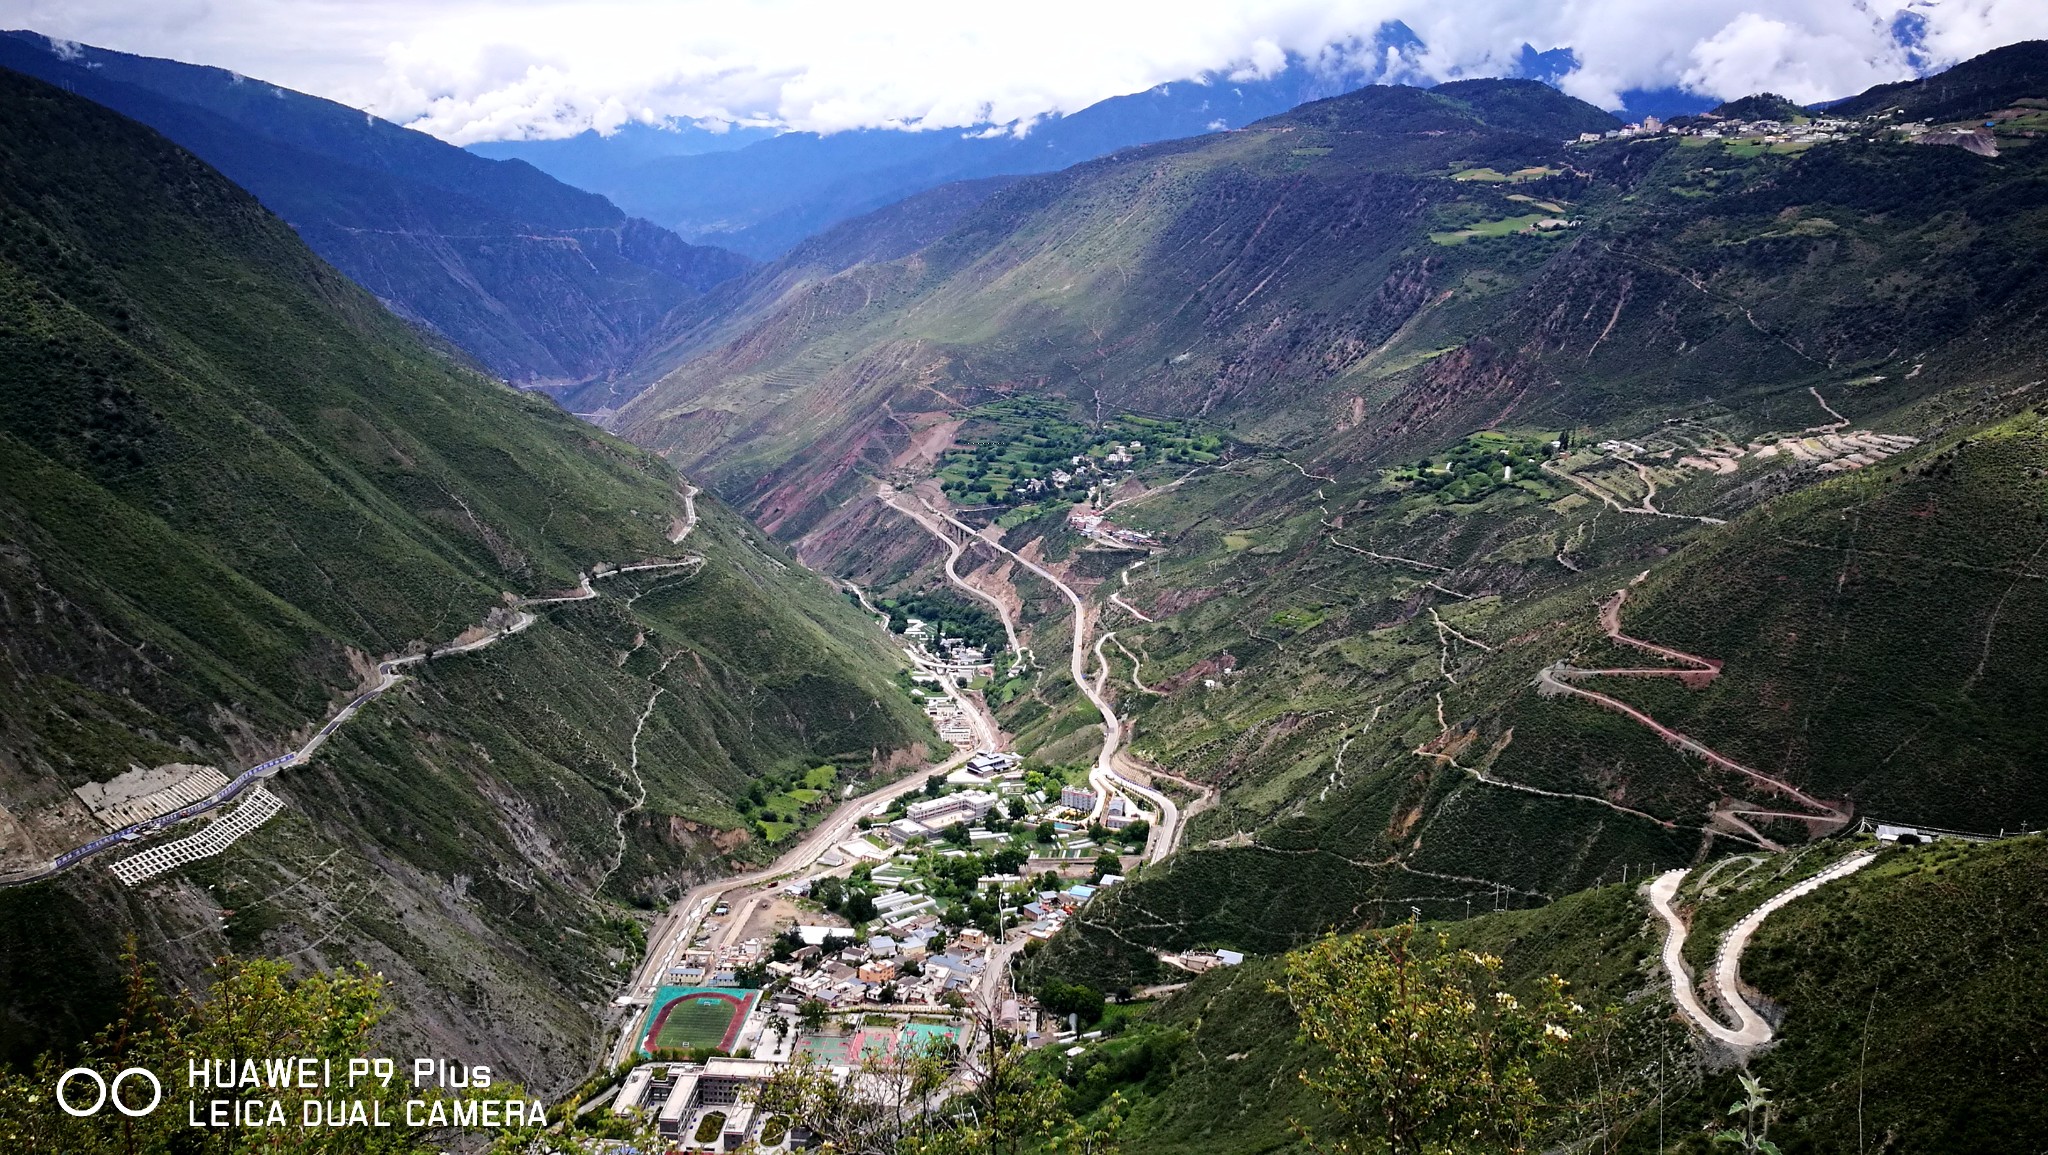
[537,281]
[1463,507]
[1366,295]
[765,196]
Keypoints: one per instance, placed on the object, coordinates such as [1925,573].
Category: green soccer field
[695,1021]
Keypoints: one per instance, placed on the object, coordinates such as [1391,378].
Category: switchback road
[1750,1030]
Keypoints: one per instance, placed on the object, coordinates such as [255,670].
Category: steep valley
[233,481]
[1466,511]
[542,284]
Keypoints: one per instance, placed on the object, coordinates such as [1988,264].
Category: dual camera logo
[108,1091]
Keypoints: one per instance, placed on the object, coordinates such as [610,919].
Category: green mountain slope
[233,481]
[728,308]
[1877,647]
[1907,994]
[1983,84]
[1196,276]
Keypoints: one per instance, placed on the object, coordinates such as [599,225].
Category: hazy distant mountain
[765,197]
[539,281]
[584,160]
[760,193]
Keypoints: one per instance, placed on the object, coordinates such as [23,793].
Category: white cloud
[475,70]
[1755,53]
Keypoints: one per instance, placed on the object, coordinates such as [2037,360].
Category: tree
[1008,1109]
[1106,865]
[933,785]
[871,1113]
[829,891]
[1429,1052]
[1046,832]
[860,906]
[1062,998]
[939,1102]
[786,944]
[811,1013]
[958,835]
[1018,808]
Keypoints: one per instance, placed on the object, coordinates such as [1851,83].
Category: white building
[965,806]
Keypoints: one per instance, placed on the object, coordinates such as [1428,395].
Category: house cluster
[991,786]
[1120,453]
[1711,127]
[945,711]
[1098,528]
[932,650]
[930,818]
[920,966]
[1119,813]
[910,960]
[1081,466]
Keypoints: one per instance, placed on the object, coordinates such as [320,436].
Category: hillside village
[1790,128]
[889,942]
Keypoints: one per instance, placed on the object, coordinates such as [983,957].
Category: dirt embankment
[928,442]
[1206,668]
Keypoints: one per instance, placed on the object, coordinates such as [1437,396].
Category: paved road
[1103,773]
[1106,774]
[1751,1030]
[887,495]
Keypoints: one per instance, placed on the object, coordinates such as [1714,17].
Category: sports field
[885,1038]
[688,1018]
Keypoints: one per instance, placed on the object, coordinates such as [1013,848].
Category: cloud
[1753,53]
[470,70]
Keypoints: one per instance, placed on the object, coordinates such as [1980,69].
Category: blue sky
[471,70]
